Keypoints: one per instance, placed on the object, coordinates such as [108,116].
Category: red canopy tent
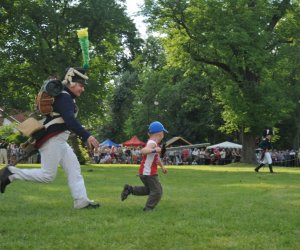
[134,142]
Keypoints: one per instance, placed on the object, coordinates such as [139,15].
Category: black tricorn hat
[268,131]
[78,75]
[78,78]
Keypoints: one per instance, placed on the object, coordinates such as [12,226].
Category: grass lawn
[203,207]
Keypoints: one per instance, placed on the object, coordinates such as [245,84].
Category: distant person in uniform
[266,147]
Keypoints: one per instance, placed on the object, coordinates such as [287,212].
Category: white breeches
[54,152]
[3,156]
[267,158]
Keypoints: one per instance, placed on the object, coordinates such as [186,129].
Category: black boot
[271,169]
[258,167]
[127,190]
[92,205]
[4,178]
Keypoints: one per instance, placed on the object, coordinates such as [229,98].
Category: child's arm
[163,169]
[150,148]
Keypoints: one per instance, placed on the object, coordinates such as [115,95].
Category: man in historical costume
[266,147]
[53,146]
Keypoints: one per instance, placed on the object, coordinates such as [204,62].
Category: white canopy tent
[226,144]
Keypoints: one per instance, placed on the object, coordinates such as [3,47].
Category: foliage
[16,138]
[244,47]
[82,154]
[7,130]
[245,52]
[202,208]
[79,149]
[39,39]
[178,95]
[120,106]
[216,70]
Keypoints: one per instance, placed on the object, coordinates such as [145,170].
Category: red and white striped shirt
[149,162]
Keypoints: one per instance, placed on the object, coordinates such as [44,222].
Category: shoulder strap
[55,113]
[54,121]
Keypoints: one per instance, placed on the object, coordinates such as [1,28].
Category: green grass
[203,207]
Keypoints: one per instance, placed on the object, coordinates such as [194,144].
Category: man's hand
[92,141]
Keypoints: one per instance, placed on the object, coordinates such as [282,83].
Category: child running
[148,169]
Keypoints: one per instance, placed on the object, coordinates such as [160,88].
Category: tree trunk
[296,140]
[248,152]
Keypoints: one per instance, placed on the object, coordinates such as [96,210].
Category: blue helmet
[156,127]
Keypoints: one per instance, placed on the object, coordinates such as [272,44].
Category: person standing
[202,156]
[222,156]
[53,146]
[148,169]
[3,152]
[266,147]
[195,155]
[96,153]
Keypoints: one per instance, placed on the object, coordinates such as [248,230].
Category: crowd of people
[126,155]
[202,156]
[286,158]
[191,156]
[12,152]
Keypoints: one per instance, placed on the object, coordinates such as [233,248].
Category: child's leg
[142,190]
[135,190]
[156,192]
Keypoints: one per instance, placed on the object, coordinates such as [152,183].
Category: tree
[39,39]
[245,47]
[120,106]
[172,94]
